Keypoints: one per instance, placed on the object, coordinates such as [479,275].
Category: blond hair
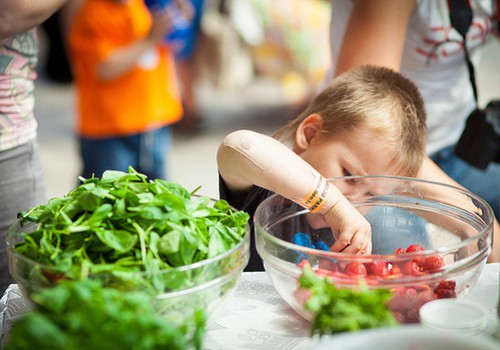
[375,97]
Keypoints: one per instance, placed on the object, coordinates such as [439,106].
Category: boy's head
[379,101]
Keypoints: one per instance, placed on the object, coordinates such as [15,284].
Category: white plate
[405,338]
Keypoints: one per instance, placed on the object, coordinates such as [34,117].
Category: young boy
[370,120]
[126,85]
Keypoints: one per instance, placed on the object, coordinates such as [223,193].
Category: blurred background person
[418,39]
[186,40]
[126,85]
[21,177]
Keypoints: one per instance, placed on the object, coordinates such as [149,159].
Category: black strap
[497,16]
[460,16]
[461,19]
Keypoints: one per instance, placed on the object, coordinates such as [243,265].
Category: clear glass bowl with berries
[429,241]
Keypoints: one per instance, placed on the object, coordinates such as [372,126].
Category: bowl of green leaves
[131,233]
[83,314]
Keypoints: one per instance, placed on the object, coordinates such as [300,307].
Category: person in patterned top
[21,176]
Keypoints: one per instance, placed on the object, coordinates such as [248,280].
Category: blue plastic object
[321,246]
[302,239]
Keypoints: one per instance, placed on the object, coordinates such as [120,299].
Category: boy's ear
[307,130]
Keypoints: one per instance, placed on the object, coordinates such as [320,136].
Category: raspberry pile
[406,301]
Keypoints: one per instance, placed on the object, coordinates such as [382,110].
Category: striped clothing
[18,58]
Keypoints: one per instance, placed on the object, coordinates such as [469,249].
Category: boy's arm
[247,158]
[430,171]
[17,16]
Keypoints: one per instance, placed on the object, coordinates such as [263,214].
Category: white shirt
[441,74]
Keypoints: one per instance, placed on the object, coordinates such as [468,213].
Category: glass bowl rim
[184,268]
[392,257]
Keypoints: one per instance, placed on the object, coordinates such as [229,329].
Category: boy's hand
[351,230]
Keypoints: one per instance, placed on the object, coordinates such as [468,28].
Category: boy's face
[359,152]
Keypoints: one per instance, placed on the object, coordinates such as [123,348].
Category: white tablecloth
[256,317]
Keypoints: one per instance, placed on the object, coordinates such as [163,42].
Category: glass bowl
[176,292]
[430,241]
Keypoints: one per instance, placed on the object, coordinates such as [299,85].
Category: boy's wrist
[316,200]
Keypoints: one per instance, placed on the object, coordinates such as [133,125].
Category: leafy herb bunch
[122,224]
[342,309]
[78,315]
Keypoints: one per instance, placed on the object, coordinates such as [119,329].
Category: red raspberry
[447,285]
[412,316]
[416,303]
[356,269]
[327,264]
[402,299]
[399,251]
[395,270]
[424,297]
[304,262]
[445,293]
[323,272]
[399,316]
[411,268]
[432,263]
[414,248]
[341,276]
[422,287]
[377,268]
[405,291]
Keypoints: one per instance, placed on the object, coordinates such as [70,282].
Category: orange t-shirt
[145,97]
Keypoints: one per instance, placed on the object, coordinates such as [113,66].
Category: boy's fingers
[343,241]
[340,244]
[357,243]
[368,249]
[356,246]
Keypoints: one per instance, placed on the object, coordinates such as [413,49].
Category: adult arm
[375,34]
[246,158]
[17,16]
[432,172]
[68,12]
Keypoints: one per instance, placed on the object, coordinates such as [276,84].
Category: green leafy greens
[99,263]
[124,223]
[342,309]
[78,315]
